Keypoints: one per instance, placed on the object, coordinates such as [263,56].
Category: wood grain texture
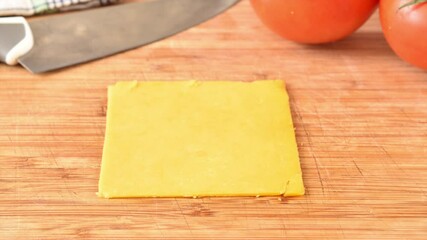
[361,124]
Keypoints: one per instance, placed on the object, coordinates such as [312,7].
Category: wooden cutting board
[361,124]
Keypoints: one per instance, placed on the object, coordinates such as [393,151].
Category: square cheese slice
[199,138]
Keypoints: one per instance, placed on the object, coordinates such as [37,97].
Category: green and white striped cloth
[32,7]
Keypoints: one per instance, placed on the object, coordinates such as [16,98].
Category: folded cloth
[32,7]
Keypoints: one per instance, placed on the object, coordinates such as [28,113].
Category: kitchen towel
[32,7]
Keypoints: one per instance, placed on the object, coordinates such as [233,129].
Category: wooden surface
[361,124]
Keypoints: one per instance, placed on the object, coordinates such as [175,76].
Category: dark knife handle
[16,39]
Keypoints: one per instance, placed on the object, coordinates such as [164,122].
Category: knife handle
[16,39]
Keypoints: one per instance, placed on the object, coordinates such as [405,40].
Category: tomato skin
[406,30]
[314,21]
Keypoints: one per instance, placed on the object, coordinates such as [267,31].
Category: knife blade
[60,41]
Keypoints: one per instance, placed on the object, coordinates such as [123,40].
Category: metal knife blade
[65,40]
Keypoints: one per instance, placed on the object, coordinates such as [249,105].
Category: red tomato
[406,30]
[314,21]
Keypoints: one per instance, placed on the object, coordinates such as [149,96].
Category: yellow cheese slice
[190,138]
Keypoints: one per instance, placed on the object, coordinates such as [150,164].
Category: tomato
[406,30]
[314,21]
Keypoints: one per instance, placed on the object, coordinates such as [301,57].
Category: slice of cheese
[189,138]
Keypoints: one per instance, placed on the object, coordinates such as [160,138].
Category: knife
[55,42]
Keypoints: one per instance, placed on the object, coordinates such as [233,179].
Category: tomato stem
[413,2]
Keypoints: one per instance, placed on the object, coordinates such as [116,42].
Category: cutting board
[361,123]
